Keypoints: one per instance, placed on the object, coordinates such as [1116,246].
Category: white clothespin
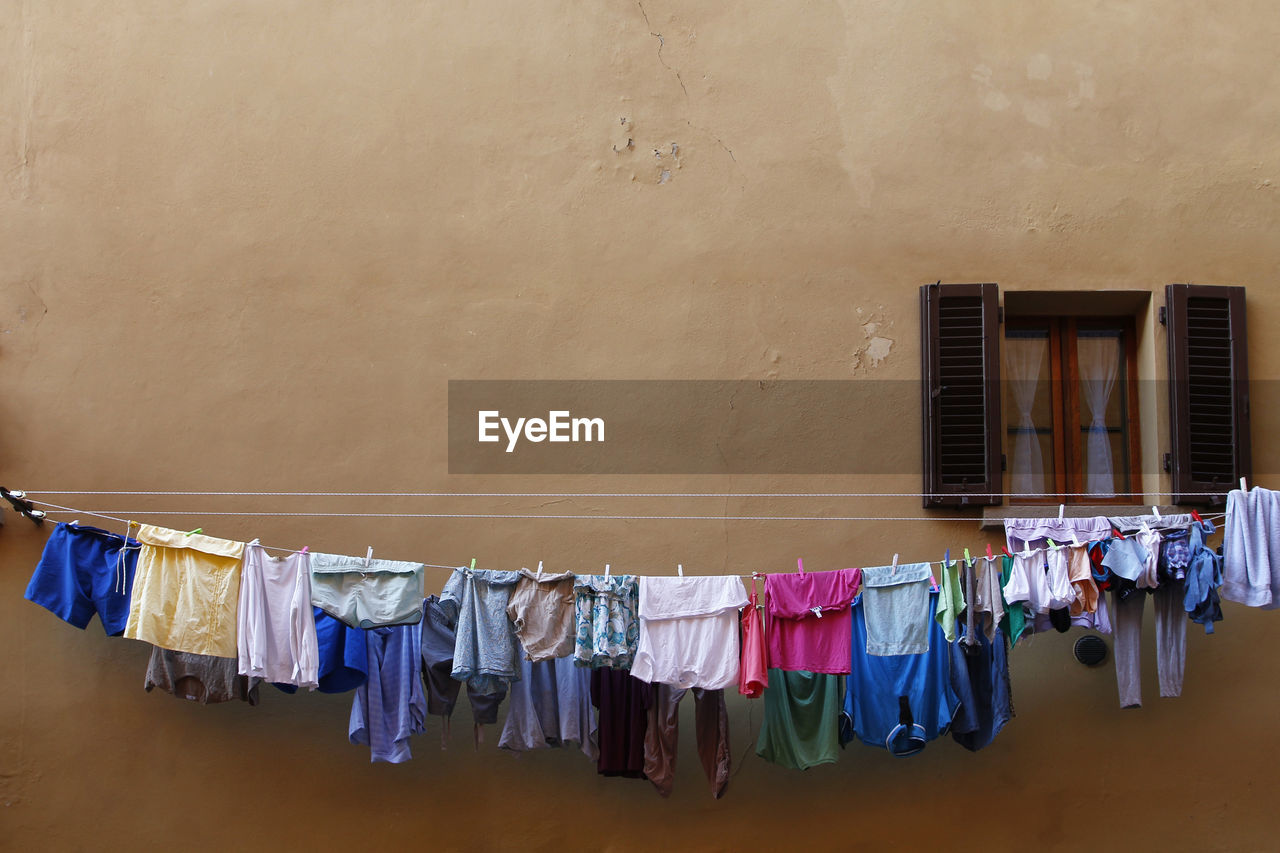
[539,570]
[1244,487]
[606,571]
[680,569]
[817,611]
[1061,509]
[1075,540]
[368,558]
[1155,510]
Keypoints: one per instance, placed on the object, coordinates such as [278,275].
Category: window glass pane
[1030,408]
[1100,363]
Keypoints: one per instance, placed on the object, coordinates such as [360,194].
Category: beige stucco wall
[245,245]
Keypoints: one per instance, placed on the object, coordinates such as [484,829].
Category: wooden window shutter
[960,344]
[1208,391]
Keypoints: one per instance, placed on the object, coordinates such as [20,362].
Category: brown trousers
[711,721]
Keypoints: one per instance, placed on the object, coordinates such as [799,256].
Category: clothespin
[990,556]
[1155,510]
[539,570]
[800,566]
[680,569]
[966,556]
[946,558]
[1075,540]
[18,500]
[895,562]
[1244,487]
[1061,509]
[816,611]
[1196,516]
[305,549]
[606,571]
[1053,545]
[1005,549]
[194,532]
[368,558]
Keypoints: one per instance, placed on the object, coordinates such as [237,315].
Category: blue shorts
[81,573]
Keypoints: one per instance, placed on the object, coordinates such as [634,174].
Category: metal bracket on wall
[22,506]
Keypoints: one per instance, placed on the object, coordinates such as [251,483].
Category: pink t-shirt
[798,637]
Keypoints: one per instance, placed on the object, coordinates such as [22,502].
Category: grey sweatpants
[1171,641]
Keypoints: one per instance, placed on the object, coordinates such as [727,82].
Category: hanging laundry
[801,727]
[390,706]
[1171,641]
[950,600]
[541,609]
[893,599]
[1080,574]
[1041,579]
[366,593]
[551,707]
[1127,524]
[711,724]
[689,631]
[1023,532]
[1099,620]
[623,720]
[1015,622]
[980,679]
[186,592]
[606,614]
[82,571]
[277,631]
[484,654]
[988,601]
[1251,548]
[1203,577]
[880,688]
[343,656]
[439,638]
[200,678]
[807,620]
[753,673]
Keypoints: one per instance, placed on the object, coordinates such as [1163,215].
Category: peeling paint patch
[876,344]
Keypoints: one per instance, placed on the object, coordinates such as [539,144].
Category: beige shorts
[185,592]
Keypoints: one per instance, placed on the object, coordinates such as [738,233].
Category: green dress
[801,719]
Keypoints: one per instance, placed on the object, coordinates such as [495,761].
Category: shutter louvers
[960,345]
[1208,391]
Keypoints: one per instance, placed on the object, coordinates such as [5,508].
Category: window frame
[1067,437]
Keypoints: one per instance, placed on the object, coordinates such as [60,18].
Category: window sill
[993,516]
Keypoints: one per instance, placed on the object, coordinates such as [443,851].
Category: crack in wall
[661,44]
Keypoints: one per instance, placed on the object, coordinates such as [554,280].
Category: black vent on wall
[1209,391]
[961,401]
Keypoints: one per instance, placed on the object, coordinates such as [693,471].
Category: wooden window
[960,347]
[1208,392]
[1072,401]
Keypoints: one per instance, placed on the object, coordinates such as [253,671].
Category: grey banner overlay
[707,426]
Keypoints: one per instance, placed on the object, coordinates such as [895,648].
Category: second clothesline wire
[125,517]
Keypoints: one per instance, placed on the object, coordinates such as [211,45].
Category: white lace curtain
[1099,362]
[1026,366]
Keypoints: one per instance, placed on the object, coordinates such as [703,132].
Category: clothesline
[122,493]
[126,517]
